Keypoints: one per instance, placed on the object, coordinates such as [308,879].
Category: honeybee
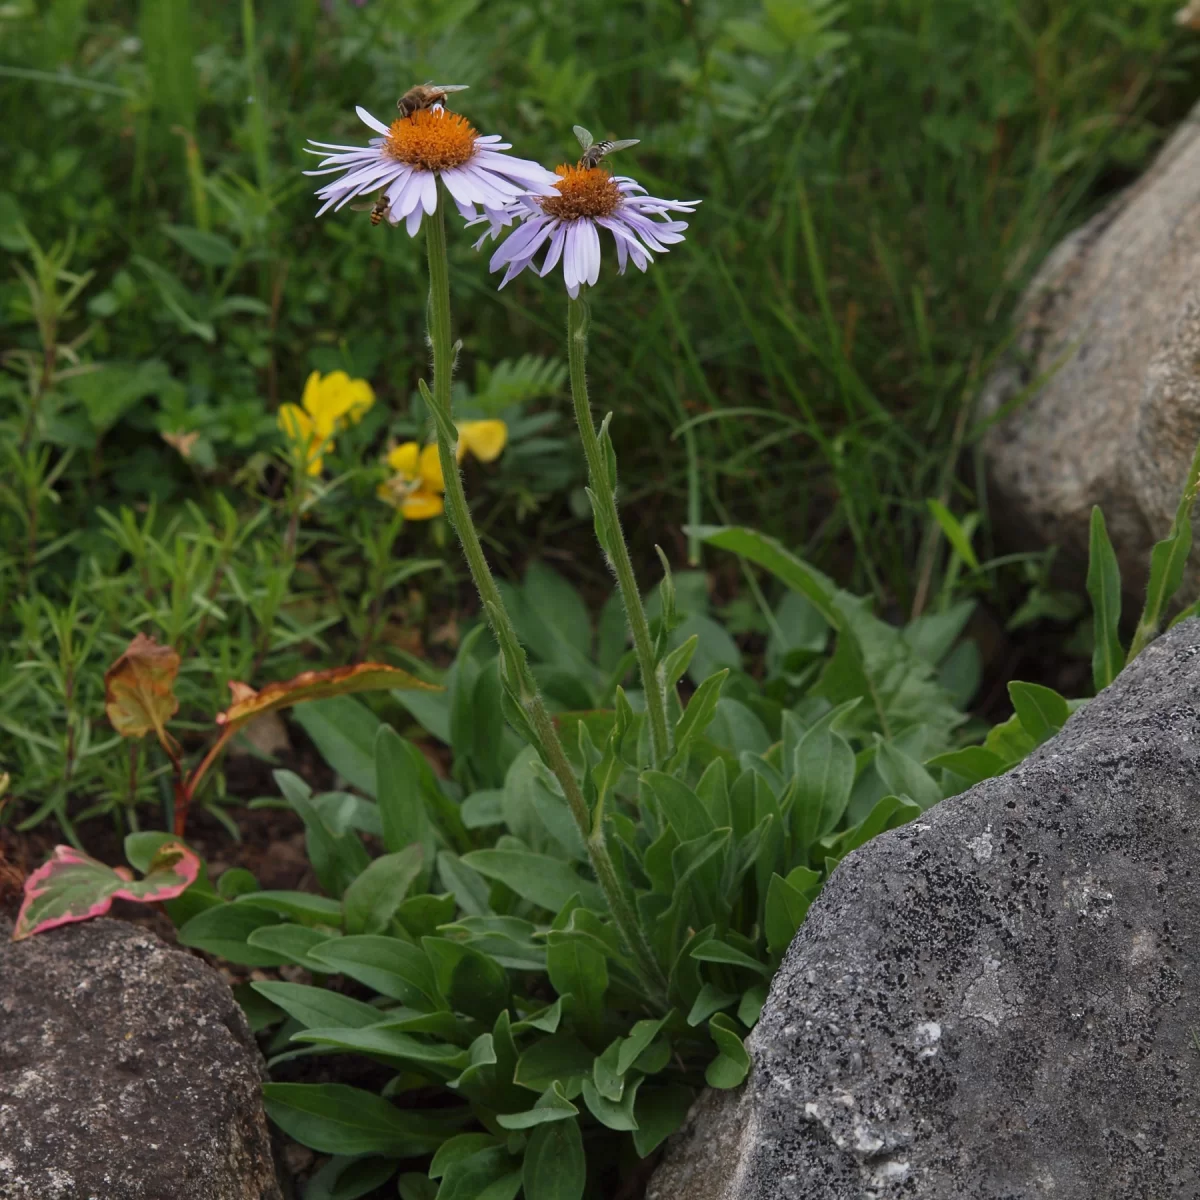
[594,152]
[426,95]
[379,209]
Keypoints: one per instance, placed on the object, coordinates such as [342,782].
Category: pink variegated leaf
[73,886]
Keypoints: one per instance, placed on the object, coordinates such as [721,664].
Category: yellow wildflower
[418,484]
[329,404]
[484,439]
[417,487]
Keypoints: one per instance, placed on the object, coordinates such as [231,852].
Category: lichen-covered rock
[1112,324]
[1001,1000]
[127,1072]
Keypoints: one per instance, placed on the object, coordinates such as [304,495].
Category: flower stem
[602,477]
[519,677]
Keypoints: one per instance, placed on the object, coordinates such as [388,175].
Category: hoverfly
[378,208]
[426,95]
[594,151]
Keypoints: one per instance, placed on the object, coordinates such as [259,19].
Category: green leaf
[904,776]
[1168,561]
[457,1148]
[416,1187]
[547,882]
[786,909]
[719,952]
[314,1006]
[223,931]
[389,966]
[211,249]
[660,1112]
[344,730]
[555,1167]
[685,812]
[889,813]
[701,709]
[823,769]
[332,1118]
[470,889]
[816,588]
[387,1042]
[1104,587]
[1009,741]
[552,1105]
[751,1005]
[560,1057]
[472,982]
[640,1036]
[487,1175]
[337,858]
[109,393]
[875,664]
[294,942]
[401,805]
[349,1178]
[305,908]
[1042,710]
[608,1081]
[678,660]
[711,999]
[732,1063]
[972,763]
[956,535]
[371,900]
[578,969]
[616,1115]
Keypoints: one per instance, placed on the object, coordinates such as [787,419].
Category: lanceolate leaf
[315,685]
[1167,562]
[73,887]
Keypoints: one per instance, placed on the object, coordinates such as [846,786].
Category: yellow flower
[328,405]
[417,486]
[484,439]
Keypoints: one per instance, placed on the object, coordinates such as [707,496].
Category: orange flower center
[582,192]
[435,140]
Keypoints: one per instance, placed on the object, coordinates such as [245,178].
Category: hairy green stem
[512,653]
[604,504]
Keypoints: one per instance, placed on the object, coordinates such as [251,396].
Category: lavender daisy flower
[587,198]
[406,161]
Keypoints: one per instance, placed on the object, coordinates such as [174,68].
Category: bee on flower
[417,485]
[329,404]
[424,145]
[587,198]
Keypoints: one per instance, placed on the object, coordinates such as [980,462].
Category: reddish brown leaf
[315,685]
[139,693]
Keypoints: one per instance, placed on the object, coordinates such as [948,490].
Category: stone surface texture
[1112,324]
[1001,1000]
[127,1072]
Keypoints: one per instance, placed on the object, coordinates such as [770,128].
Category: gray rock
[127,1072]
[1112,322]
[1001,1000]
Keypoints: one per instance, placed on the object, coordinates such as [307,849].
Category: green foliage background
[880,178]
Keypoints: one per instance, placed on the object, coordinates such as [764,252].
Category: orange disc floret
[582,192]
[431,138]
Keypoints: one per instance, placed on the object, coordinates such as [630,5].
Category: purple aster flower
[587,198]
[405,162]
